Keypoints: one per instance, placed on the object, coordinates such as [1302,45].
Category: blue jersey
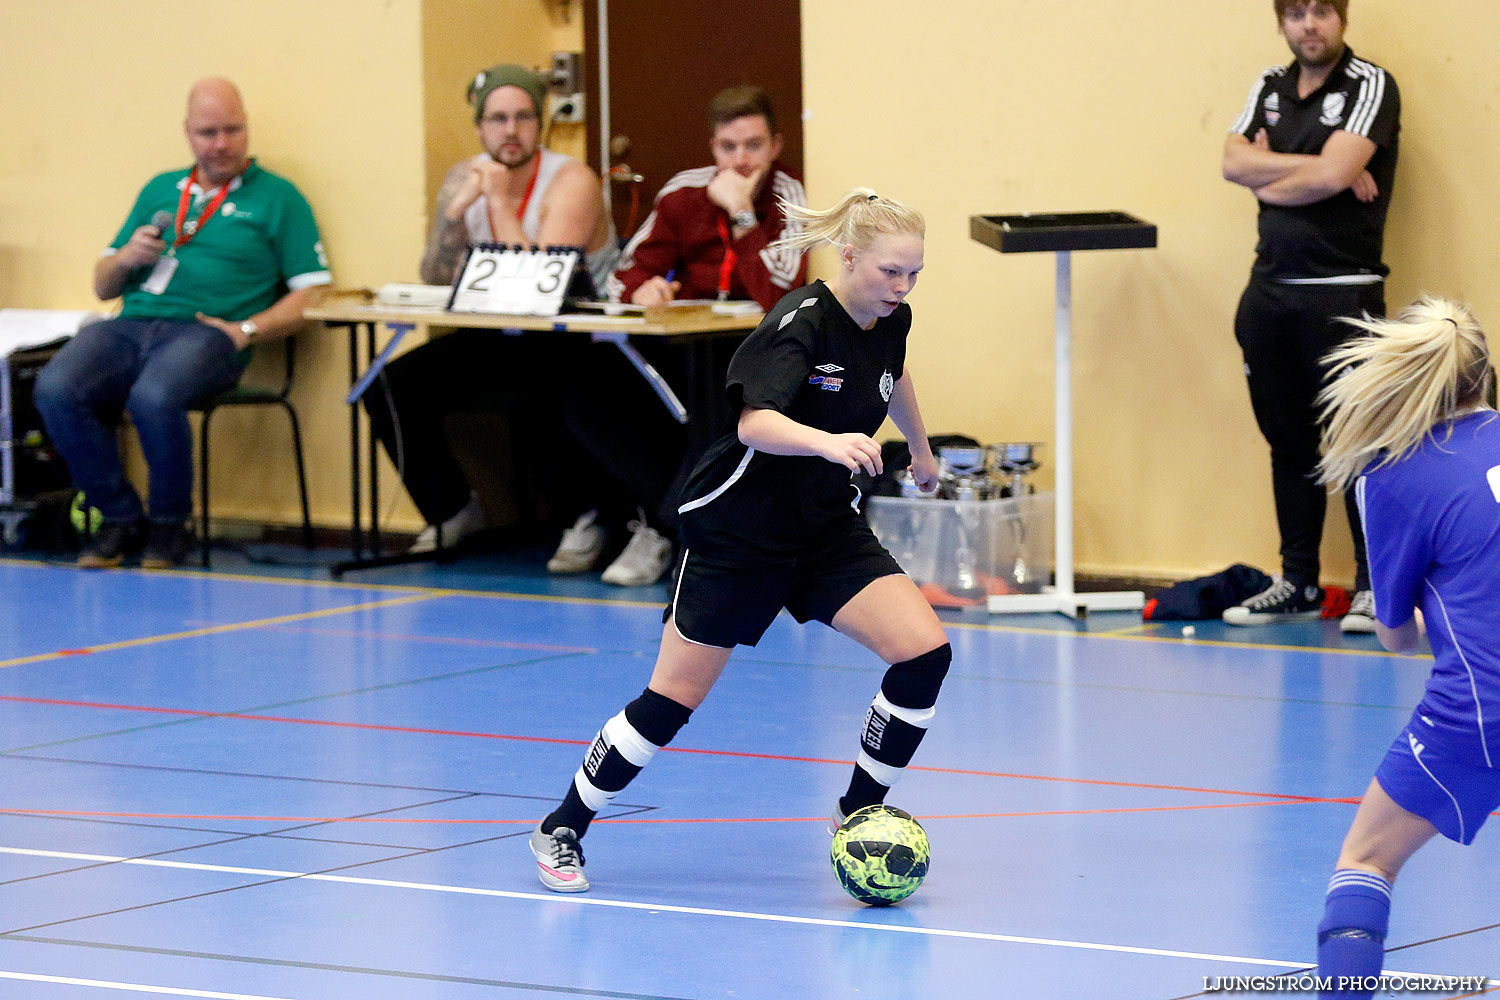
[1432,527]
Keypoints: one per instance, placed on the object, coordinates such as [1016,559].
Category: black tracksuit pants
[1284,332]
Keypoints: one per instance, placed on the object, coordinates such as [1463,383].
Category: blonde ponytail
[1389,390]
[857,218]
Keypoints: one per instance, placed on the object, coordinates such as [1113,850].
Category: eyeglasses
[501,118]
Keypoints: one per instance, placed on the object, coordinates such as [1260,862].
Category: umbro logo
[829,369]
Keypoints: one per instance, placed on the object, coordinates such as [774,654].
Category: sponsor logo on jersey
[829,368]
[1333,109]
[826,383]
[1273,108]
[887,386]
[1272,118]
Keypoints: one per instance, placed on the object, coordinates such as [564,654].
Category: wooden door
[667,58]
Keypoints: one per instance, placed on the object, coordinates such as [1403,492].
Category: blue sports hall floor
[258,782]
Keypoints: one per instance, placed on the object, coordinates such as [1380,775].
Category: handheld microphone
[160,221]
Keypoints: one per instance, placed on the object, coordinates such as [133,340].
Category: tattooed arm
[449,236]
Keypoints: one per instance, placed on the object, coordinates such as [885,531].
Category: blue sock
[1351,938]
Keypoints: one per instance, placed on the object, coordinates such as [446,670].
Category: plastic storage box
[962,551]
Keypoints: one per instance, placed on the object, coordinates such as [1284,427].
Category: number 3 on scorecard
[513,281]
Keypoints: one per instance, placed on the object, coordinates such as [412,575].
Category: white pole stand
[1061,597]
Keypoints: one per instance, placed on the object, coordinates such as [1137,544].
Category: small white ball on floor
[1188,631]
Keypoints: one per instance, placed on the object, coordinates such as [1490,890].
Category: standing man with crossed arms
[1316,143]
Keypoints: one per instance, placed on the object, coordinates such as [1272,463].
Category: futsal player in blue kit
[1409,428]
[772,521]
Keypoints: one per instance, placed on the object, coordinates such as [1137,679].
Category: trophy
[1013,462]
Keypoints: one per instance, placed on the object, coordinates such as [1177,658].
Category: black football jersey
[810,361]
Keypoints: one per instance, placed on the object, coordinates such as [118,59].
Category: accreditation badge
[161,274]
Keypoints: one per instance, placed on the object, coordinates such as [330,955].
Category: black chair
[244,395]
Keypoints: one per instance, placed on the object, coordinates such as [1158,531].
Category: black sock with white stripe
[623,747]
[894,726]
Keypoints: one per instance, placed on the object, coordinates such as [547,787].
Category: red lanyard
[726,269]
[187,232]
[530,187]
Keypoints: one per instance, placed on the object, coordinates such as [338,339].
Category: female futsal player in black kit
[772,521]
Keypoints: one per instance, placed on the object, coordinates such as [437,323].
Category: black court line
[215,773]
[211,716]
[141,824]
[1445,937]
[547,800]
[1312,969]
[326,967]
[524,832]
[384,786]
[230,840]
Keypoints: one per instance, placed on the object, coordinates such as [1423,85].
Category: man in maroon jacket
[708,235]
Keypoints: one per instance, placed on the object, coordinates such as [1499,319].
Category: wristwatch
[744,220]
[250,330]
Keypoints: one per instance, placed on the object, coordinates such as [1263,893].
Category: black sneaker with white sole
[1282,601]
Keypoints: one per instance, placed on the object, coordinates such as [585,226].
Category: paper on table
[23,328]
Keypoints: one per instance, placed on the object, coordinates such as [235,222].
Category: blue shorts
[1454,796]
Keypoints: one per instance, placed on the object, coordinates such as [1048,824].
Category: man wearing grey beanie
[514,192]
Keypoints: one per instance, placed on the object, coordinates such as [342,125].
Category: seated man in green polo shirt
[210,260]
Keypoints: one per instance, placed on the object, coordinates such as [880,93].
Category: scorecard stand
[1062,233]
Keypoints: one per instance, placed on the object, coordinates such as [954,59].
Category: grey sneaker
[1360,618]
[559,860]
[835,819]
[580,546]
[644,560]
[1282,601]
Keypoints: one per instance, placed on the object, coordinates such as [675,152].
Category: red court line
[420,821]
[197,713]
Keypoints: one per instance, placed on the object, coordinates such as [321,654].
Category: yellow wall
[1004,106]
[991,106]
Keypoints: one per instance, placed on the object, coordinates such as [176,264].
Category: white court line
[133,987]
[552,897]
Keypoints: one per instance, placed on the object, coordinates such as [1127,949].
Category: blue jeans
[153,369]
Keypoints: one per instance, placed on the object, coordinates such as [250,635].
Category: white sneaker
[1361,614]
[644,560]
[580,546]
[455,529]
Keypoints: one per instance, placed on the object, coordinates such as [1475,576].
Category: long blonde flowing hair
[1395,387]
[856,218]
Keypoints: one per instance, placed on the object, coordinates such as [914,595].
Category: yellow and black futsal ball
[880,855]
